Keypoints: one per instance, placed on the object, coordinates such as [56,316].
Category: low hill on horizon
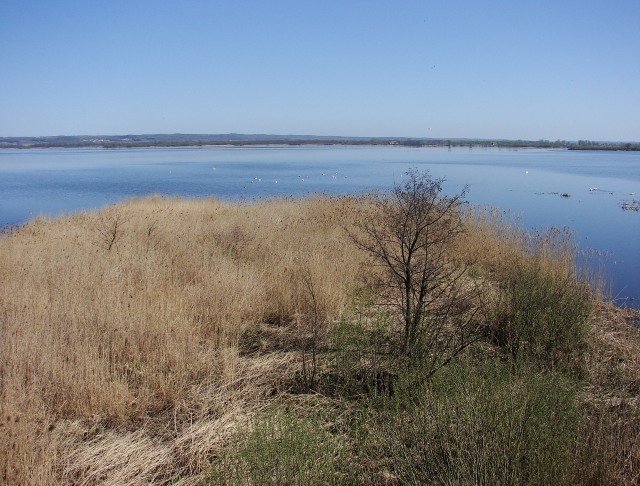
[189,140]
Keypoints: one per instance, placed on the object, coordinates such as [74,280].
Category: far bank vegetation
[171,341]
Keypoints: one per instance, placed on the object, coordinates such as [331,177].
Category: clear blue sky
[542,69]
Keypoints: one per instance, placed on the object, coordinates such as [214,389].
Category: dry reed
[119,324]
[120,349]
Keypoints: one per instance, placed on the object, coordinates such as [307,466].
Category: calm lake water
[526,182]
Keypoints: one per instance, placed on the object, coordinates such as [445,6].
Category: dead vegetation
[136,342]
[119,330]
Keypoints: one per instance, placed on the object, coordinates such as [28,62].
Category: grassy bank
[168,341]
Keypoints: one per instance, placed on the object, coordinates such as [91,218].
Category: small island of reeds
[172,341]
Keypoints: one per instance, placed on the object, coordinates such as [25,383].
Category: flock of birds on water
[633,205]
[301,178]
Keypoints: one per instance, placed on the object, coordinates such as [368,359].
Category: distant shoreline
[239,140]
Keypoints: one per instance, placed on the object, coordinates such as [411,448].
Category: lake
[527,182]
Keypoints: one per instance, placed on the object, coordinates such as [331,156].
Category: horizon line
[311,137]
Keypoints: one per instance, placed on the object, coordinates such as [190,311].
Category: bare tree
[411,237]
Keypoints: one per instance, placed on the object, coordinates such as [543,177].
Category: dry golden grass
[120,350]
[132,352]
[494,240]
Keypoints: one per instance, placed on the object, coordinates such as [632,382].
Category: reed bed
[125,334]
[110,319]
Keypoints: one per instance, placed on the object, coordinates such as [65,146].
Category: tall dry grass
[495,240]
[119,329]
[125,353]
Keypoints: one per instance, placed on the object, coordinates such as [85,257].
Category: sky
[553,70]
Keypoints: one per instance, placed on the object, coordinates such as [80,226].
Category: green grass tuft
[280,448]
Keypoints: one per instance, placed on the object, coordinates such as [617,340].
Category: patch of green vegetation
[361,357]
[481,423]
[542,318]
[281,448]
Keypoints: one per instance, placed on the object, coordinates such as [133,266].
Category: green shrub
[483,425]
[542,317]
[280,449]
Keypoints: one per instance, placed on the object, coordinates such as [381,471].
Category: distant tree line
[183,140]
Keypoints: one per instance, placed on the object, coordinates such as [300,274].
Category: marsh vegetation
[171,341]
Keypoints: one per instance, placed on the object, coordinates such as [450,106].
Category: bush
[542,317]
[483,425]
